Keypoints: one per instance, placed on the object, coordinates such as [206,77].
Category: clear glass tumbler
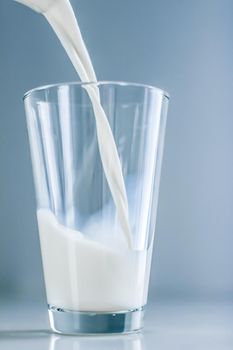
[94,282]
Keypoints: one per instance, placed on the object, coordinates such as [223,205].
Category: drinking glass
[94,282]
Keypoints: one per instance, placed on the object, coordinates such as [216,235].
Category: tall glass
[94,282]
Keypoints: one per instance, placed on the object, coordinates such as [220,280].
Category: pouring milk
[114,279]
[60,16]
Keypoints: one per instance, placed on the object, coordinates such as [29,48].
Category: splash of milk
[60,15]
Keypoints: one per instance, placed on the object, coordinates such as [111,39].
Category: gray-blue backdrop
[184,46]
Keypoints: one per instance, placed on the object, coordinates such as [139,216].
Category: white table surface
[168,325]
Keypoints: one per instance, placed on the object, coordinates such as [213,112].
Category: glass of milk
[96,276]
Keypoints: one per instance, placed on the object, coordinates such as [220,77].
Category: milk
[83,272]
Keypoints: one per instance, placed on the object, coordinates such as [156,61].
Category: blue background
[182,46]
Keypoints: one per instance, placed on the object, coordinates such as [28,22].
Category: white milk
[80,272]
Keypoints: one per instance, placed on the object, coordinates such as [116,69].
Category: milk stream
[87,272]
[60,16]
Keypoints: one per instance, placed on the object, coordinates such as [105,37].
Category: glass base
[75,322]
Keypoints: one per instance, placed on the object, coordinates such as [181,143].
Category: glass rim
[98,83]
